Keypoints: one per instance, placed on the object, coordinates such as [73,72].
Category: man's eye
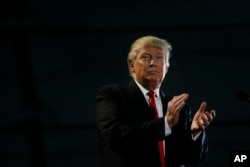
[145,56]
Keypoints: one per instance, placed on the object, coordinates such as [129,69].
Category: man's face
[150,66]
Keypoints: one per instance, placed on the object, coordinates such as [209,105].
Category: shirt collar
[145,91]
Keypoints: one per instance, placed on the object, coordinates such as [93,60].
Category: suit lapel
[164,99]
[138,101]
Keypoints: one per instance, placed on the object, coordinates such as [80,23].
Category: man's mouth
[152,72]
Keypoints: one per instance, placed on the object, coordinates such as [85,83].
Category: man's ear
[131,66]
[167,67]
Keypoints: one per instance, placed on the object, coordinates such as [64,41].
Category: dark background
[54,55]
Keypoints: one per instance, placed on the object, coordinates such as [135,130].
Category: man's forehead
[149,48]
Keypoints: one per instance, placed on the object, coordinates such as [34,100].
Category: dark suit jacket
[128,132]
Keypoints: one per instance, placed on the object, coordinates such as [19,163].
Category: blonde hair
[148,40]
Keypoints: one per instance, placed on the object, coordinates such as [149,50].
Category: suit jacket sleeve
[189,151]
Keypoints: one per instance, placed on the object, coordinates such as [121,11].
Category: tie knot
[151,94]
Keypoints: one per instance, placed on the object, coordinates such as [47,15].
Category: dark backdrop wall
[54,55]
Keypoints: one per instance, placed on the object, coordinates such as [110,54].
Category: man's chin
[154,79]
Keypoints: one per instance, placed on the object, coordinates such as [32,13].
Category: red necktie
[152,105]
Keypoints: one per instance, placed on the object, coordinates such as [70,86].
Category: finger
[179,107]
[203,107]
[182,97]
[175,109]
[209,116]
[213,113]
[179,102]
[201,124]
[205,118]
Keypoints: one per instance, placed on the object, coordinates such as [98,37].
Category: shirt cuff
[167,129]
[196,136]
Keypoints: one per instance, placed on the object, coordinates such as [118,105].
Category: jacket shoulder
[111,88]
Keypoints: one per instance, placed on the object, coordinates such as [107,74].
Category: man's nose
[152,61]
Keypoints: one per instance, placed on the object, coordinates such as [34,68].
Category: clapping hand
[202,119]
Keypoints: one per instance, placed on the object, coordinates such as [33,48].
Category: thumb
[203,107]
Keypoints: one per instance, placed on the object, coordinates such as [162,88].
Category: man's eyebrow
[146,52]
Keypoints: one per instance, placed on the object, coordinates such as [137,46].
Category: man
[140,126]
